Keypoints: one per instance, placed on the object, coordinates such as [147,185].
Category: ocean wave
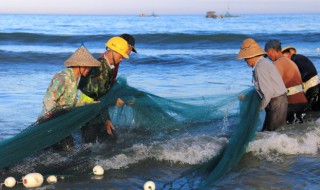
[155,39]
[186,150]
[54,54]
[274,146]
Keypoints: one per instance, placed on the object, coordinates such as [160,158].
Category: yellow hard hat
[118,45]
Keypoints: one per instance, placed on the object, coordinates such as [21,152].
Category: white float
[32,180]
[98,170]
[149,185]
[10,182]
[52,179]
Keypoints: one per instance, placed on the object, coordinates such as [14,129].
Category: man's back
[291,77]
[306,67]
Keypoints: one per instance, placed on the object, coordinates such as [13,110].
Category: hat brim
[290,48]
[247,56]
[134,49]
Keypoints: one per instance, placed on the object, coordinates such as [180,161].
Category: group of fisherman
[288,87]
[93,78]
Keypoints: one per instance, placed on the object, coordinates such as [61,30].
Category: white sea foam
[270,145]
[186,150]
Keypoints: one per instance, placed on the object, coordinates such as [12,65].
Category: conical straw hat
[291,49]
[249,49]
[82,58]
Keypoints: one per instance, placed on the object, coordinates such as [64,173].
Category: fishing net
[147,116]
[143,111]
[233,152]
[206,175]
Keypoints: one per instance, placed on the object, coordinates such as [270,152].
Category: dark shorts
[276,113]
[295,112]
[312,95]
[96,131]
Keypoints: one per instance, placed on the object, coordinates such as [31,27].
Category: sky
[162,7]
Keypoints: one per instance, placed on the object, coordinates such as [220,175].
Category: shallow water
[178,57]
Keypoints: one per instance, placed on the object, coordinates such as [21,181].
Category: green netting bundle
[244,133]
[144,111]
[208,174]
[152,116]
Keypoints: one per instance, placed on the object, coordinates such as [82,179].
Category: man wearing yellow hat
[309,76]
[268,84]
[97,83]
[131,41]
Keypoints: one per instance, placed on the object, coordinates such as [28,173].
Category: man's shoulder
[283,61]
[62,75]
[263,62]
[299,58]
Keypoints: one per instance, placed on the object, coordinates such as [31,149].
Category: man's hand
[241,97]
[109,127]
[119,102]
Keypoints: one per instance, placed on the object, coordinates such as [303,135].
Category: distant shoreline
[137,15]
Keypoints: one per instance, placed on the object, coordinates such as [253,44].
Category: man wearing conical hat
[63,89]
[297,101]
[97,83]
[268,83]
[309,76]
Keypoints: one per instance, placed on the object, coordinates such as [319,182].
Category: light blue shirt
[267,81]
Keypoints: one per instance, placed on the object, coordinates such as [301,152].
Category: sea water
[181,56]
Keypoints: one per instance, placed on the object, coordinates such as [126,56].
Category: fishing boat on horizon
[151,15]
[212,14]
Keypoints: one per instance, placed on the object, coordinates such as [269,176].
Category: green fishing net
[243,134]
[151,116]
[208,174]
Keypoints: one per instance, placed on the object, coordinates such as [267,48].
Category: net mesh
[244,133]
[155,117]
[207,175]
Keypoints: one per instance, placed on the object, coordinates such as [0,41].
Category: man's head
[289,51]
[131,42]
[250,51]
[117,48]
[82,59]
[273,49]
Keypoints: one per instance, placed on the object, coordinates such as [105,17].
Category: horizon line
[166,14]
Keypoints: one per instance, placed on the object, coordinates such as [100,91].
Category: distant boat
[228,15]
[212,14]
[151,15]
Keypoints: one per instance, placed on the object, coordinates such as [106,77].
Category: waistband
[294,90]
[310,83]
[278,97]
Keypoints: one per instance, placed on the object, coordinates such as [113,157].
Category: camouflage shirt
[62,91]
[98,81]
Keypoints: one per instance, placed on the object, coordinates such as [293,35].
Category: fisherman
[268,84]
[309,76]
[131,42]
[62,92]
[297,101]
[98,82]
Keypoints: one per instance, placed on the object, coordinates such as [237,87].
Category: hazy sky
[158,6]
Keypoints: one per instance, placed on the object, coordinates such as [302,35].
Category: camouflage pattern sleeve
[89,84]
[97,82]
[54,91]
